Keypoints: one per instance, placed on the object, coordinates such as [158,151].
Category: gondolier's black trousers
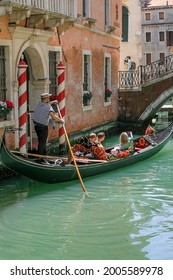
[42,134]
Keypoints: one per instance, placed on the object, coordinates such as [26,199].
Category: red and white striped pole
[22,105]
[61,100]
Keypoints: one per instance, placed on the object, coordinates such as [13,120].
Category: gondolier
[42,112]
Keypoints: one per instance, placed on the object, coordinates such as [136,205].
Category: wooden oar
[86,160]
[71,152]
[33,155]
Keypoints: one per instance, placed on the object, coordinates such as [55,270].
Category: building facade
[157,30]
[131,43]
[84,36]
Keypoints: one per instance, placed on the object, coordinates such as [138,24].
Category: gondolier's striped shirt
[41,113]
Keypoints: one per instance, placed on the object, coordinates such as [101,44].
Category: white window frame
[9,81]
[87,8]
[88,53]
[159,36]
[107,13]
[145,17]
[163,14]
[160,56]
[8,65]
[57,61]
[146,37]
[148,53]
[107,56]
[71,8]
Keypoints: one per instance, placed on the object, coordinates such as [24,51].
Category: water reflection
[12,190]
[19,187]
[128,215]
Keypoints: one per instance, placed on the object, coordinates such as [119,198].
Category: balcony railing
[65,7]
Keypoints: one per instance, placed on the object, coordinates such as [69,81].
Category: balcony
[66,7]
[41,14]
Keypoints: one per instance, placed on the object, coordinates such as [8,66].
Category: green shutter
[125,24]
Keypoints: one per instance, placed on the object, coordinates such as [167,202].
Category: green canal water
[128,215]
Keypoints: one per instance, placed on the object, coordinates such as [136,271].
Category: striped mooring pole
[61,101]
[22,78]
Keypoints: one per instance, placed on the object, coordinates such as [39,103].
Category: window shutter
[125,24]
[167,38]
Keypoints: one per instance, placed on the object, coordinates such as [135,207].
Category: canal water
[128,215]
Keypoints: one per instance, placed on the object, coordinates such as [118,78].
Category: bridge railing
[157,69]
[143,74]
[129,79]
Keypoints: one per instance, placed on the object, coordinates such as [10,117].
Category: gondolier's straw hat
[45,95]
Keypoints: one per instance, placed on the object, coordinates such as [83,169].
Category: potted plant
[108,93]
[87,95]
[5,108]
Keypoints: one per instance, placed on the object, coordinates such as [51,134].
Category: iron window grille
[3,87]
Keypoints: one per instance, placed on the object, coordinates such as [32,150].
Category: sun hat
[45,95]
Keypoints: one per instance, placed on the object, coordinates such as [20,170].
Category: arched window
[125,24]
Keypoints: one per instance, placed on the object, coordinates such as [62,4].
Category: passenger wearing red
[149,130]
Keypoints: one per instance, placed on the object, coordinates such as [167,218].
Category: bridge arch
[152,86]
[154,106]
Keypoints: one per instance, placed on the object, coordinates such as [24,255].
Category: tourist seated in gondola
[149,130]
[93,138]
[87,147]
[126,145]
[101,138]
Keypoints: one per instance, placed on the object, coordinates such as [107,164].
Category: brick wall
[74,42]
[134,103]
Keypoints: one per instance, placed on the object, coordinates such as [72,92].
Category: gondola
[56,173]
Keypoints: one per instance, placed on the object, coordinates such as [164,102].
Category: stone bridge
[142,92]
